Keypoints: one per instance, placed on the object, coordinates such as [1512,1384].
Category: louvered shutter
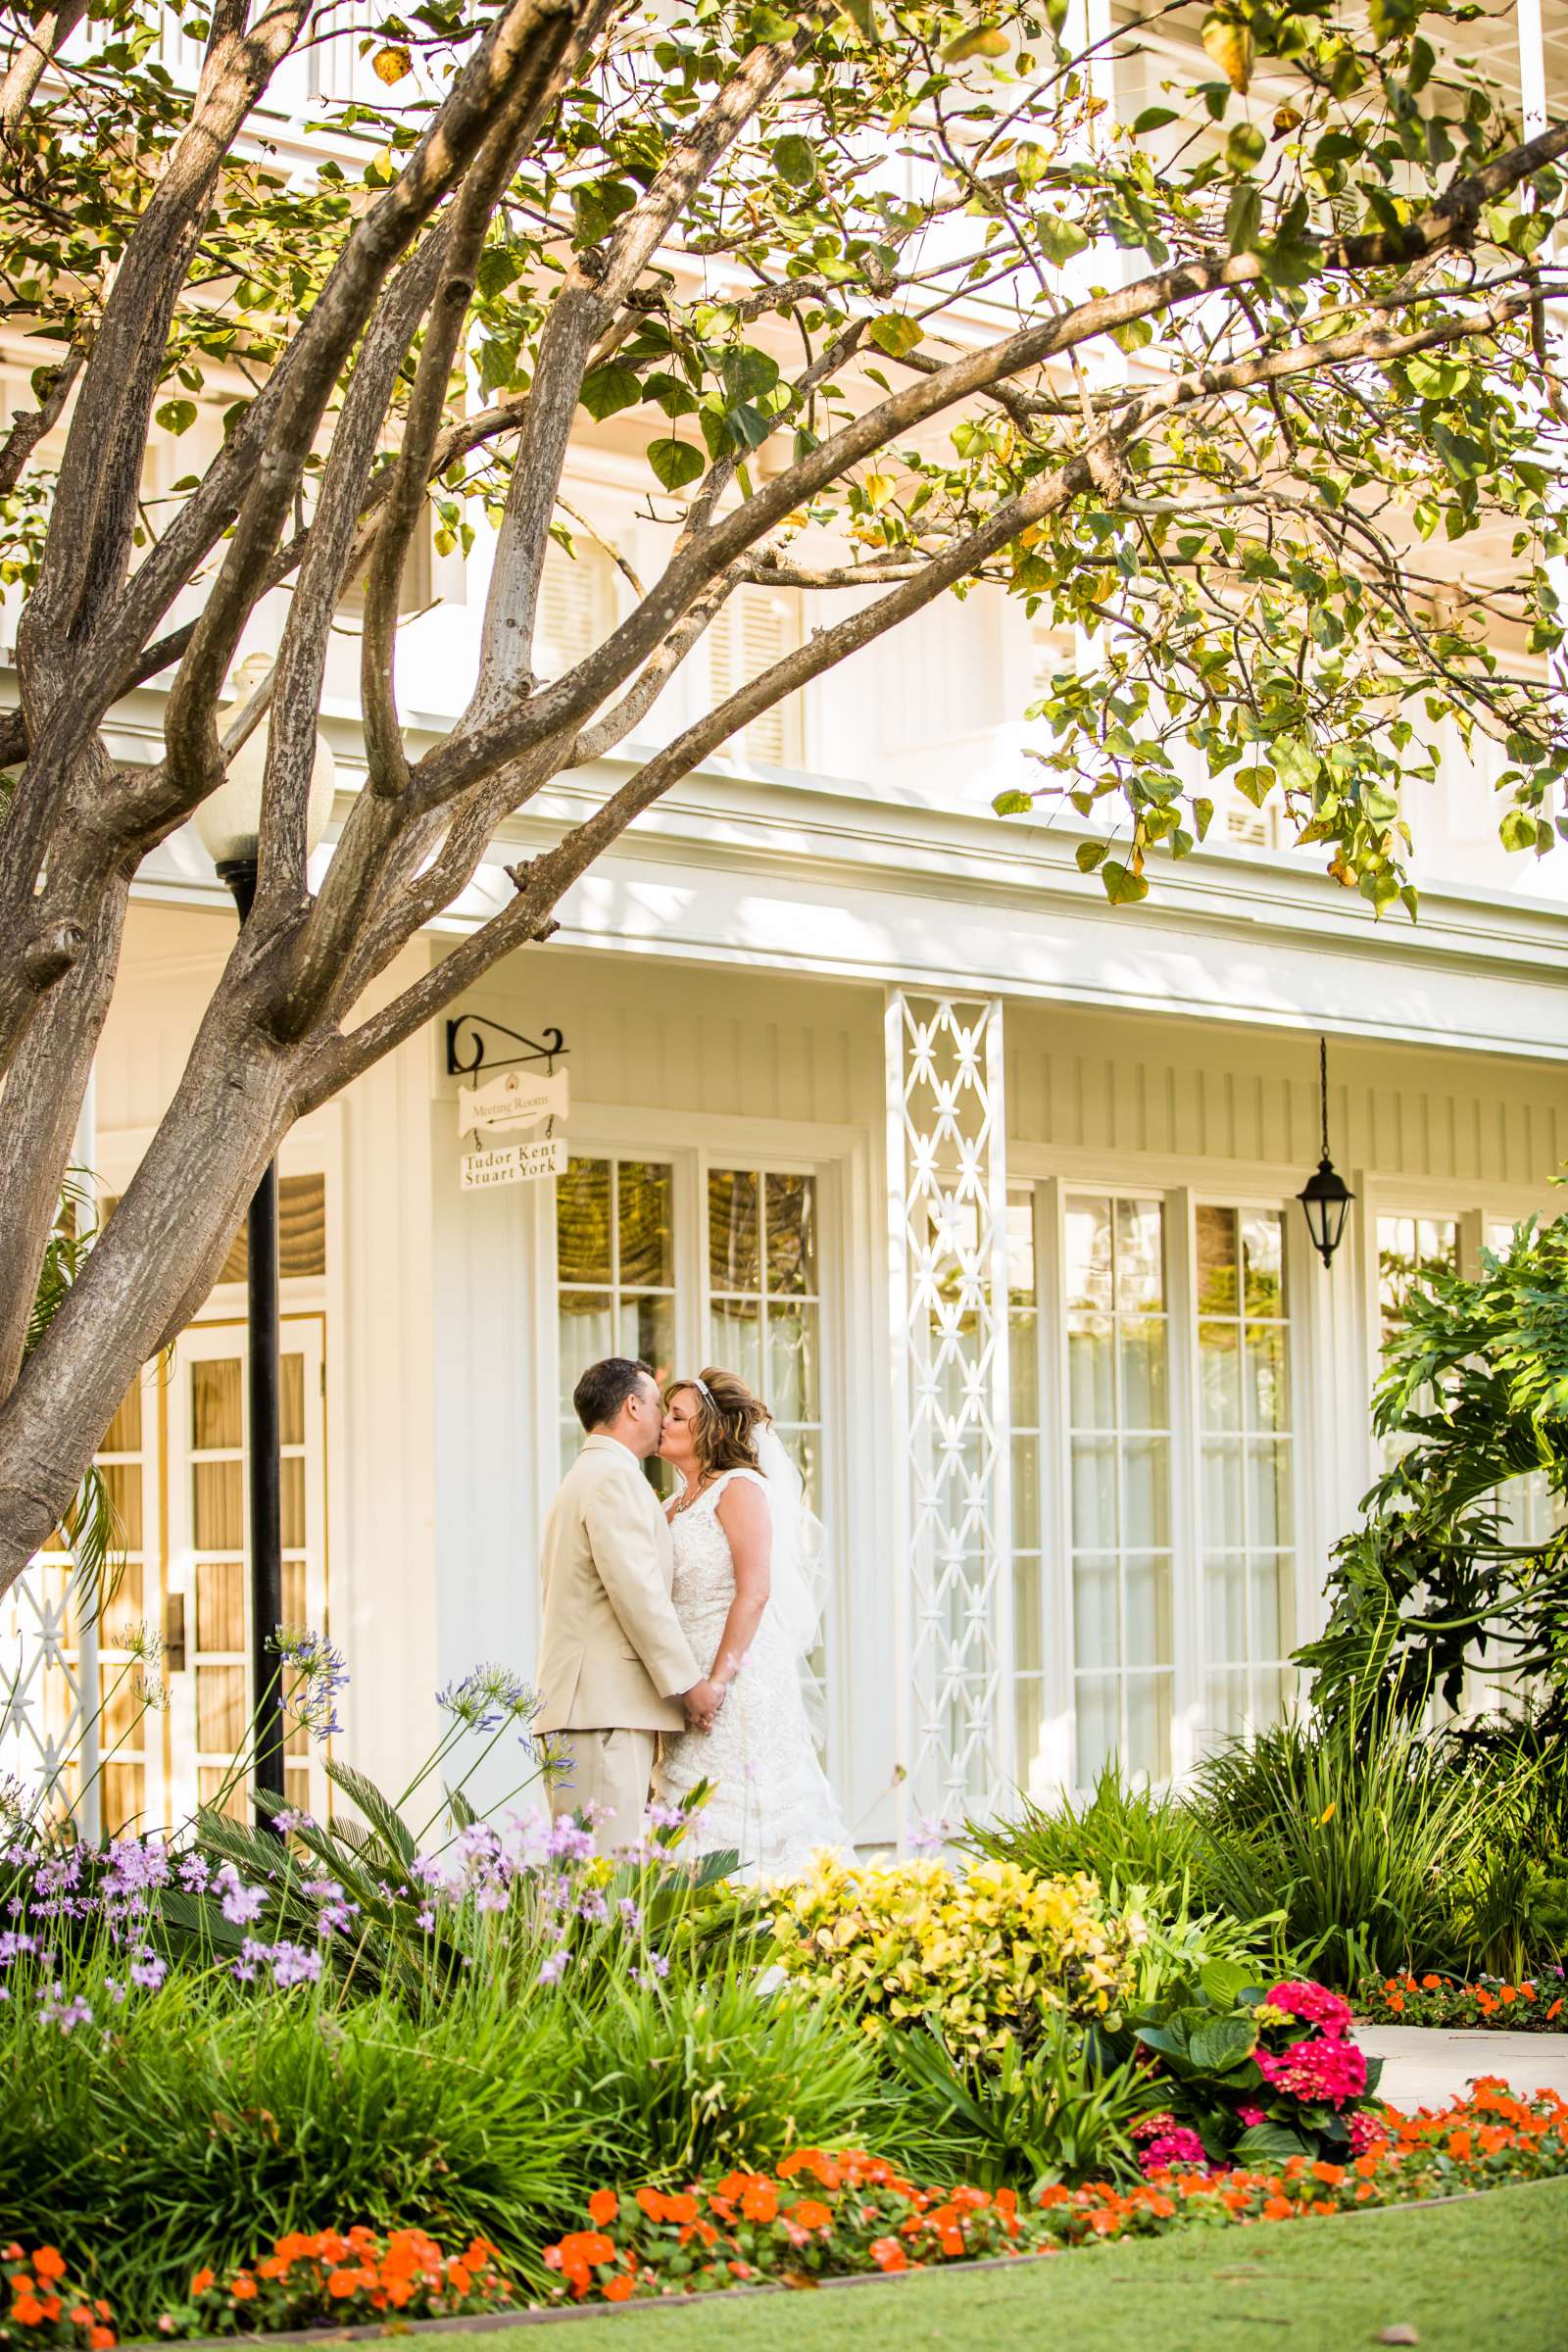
[574,607]
[757,627]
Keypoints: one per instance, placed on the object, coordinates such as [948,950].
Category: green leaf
[794,159]
[862,17]
[1153,118]
[1013,804]
[1060,238]
[1517,830]
[1223,1982]
[895,334]
[676,463]
[1270,2139]
[1244,217]
[175,416]
[1244,148]
[1123,888]
[1221,2042]
[1088,855]
[608,389]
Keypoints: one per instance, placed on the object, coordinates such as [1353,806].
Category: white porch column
[948,1289]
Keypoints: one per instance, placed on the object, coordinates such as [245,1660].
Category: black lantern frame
[1325,1197]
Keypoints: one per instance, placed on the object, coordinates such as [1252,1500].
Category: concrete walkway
[1427,2066]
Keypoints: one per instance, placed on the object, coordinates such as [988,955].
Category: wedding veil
[797,1574]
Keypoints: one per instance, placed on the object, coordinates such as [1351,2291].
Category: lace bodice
[772,1802]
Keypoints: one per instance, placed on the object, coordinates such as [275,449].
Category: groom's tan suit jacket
[612,1655]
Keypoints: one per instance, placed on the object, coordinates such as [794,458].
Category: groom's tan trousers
[611,1770]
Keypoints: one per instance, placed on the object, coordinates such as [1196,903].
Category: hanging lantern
[1325,1197]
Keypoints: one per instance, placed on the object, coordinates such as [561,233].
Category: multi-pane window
[756,627]
[126,1729]
[1410,1247]
[764,1303]
[1247,1481]
[1118,1395]
[1028,1558]
[615,1271]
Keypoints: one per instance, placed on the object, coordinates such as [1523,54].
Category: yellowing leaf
[878,488]
[1230,47]
[985,40]
[1327,1814]
[392,63]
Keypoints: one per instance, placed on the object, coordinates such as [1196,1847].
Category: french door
[208,1569]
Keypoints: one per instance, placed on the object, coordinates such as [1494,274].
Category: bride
[746,1547]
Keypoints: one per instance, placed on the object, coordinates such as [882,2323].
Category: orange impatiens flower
[1430,1984]
[602,2206]
[49,2263]
[242,2289]
[888,2254]
[811,2214]
[201,2280]
[619,2289]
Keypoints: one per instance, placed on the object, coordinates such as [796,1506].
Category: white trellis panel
[946,1225]
[48,1724]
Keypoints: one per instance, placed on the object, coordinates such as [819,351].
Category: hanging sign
[514,1163]
[518,1099]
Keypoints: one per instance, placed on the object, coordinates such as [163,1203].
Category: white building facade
[987,1187]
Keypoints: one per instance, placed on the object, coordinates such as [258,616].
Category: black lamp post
[230,824]
[1325,1197]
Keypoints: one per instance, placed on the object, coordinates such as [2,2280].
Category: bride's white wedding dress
[772,1802]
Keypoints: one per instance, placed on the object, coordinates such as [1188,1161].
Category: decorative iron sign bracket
[468,1054]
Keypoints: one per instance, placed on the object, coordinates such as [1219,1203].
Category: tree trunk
[160,1255]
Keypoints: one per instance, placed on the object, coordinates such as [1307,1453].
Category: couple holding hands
[676,1637]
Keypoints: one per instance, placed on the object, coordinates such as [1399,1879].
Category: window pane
[1219,1374]
[792,1377]
[122,1480]
[1149,1725]
[1268,1402]
[1146,1635]
[582,1223]
[1270,1595]
[1217,1289]
[1097,1634]
[647,1240]
[1027,1645]
[1143,1374]
[733,1261]
[1088,1257]
[1021,1248]
[291,1399]
[1091,1374]
[587,1331]
[1099,1728]
[218,1505]
[1140,1256]
[1026,1493]
[1094,1493]
[220,1709]
[219,1605]
[736,1325]
[1225,1604]
[293,1499]
[1263,1257]
[1224,1525]
[647,1335]
[215,1402]
[1029,1716]
[125,1430]
[1023,1366]
[1269,1494]
[791,1219]
[1146,1492]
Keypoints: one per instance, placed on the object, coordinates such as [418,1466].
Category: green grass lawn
[1489,2272]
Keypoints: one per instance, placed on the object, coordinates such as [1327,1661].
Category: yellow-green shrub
[984,1952]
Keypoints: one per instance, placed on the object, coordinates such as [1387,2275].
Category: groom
[615,1668]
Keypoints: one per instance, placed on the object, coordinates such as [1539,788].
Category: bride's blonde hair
[725,1421]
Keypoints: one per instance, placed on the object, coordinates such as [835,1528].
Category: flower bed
[343,2278]
[41,2305]
[840,2215]
[1536,2005]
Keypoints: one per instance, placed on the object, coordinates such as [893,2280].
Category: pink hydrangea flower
[1252,2115]
[1177,2148]
[1148,2127]
[1321,2069]
[1366,2132]
[1314,2005]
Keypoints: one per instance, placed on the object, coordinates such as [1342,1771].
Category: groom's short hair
[604,1387]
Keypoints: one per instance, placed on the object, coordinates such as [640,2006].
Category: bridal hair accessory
[701,1385]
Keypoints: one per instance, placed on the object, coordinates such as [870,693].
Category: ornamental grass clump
[983,1955]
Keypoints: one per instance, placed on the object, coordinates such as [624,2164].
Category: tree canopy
[898,299]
